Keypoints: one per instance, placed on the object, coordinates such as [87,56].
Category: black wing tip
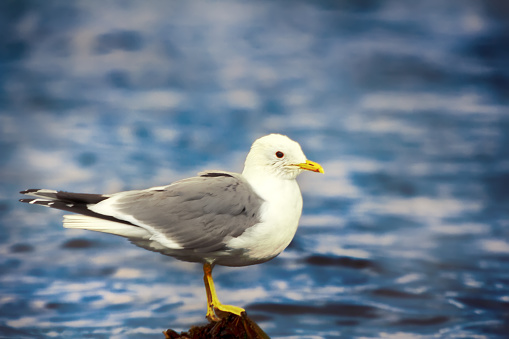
[47,203]
[36,202]
[30,190]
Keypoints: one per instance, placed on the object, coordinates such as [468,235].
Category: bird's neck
[269,186]
[255,173]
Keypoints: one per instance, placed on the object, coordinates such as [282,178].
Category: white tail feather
[100,225]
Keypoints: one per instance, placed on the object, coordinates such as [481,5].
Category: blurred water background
[405,104]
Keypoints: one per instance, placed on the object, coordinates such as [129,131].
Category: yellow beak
[311,166]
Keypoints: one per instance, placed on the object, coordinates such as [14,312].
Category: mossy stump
[233,327]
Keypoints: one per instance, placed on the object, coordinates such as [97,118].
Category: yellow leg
[216,310]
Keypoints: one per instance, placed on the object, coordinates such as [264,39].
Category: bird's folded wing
[199,213]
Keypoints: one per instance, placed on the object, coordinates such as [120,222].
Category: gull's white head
[278,155]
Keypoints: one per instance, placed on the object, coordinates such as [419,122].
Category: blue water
[404,104]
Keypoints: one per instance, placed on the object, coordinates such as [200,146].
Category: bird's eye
[280,154]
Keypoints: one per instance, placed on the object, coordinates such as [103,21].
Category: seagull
[214,218]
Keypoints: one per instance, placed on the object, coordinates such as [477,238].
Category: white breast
[280,214]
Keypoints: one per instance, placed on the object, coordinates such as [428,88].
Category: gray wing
[200,213]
